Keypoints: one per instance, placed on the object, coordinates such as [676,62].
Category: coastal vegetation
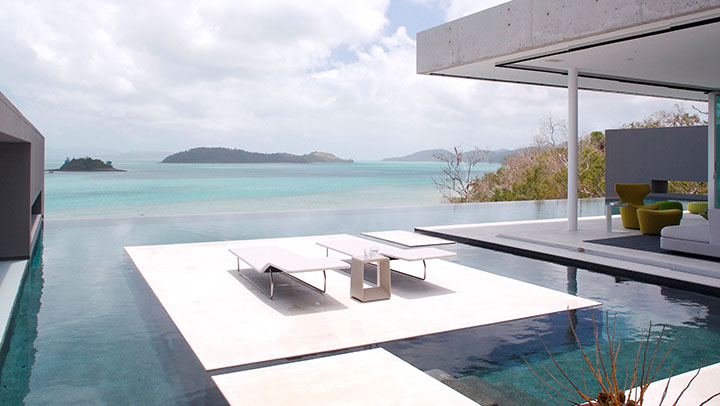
[87,164]
[218,155]
[539,172]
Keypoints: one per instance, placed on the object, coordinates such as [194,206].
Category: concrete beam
[525,25]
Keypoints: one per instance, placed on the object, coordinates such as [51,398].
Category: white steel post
[712,139]
[572,173]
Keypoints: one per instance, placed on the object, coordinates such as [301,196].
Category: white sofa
[701,239]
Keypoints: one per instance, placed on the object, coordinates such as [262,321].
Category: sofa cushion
[695,232]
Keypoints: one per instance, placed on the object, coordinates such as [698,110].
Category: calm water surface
[90,331]
[150,188]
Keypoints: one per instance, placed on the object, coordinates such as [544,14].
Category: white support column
[712,139]
[572,173]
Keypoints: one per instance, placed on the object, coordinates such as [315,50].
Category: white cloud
[455,9]
[258,75]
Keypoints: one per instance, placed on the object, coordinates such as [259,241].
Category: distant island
[86,164]
[497,156]
[238,156]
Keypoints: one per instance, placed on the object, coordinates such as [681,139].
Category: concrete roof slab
[646,47]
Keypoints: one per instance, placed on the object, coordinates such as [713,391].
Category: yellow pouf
[700,208]
[652,221]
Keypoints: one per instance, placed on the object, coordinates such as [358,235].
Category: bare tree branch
[456,186]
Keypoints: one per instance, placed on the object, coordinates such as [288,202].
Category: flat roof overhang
[642,47]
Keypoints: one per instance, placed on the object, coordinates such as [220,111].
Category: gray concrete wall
[646,154]
[524,25]
[22,180]
[15,201]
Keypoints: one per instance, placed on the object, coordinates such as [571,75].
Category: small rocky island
[86,164]
[238,156]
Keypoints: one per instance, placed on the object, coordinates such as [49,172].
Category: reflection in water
[180,367]
[705,311]
[572,314]
[18,355]
[483,349]
[572,280]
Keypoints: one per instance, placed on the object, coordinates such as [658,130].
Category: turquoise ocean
[152,188]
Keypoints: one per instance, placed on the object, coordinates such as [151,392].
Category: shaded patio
[551,240]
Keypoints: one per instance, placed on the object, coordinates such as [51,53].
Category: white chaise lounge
[275,259]
[701,239]
[355,247]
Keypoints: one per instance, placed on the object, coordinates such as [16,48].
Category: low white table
[357,278]
[355,248]
[608,215]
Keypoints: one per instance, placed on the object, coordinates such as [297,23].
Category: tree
[539,172]
[591,165]
[675,117]
[458,178]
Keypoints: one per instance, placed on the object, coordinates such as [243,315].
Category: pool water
[90,331]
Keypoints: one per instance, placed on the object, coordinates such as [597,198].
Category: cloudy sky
[103,77]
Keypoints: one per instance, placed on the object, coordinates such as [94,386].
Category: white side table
[608,214]
[357,276]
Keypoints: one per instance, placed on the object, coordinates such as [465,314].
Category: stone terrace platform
[550,240]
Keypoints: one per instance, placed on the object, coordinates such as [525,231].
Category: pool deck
[551,240]
[11,279]
[229,323]
[237,331]
[702,388]
[263,351]
[370,377]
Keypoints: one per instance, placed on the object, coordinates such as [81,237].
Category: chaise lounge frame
[272,259]
[355,246]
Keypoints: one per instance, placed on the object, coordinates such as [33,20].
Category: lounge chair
[632,194]
[274,259]
[355,247]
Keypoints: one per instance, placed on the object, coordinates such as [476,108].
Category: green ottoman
[700,208]
[667,205]
[652,221]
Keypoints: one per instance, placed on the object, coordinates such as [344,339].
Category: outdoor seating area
[273,259]
[202,285]
[200,288]
[550,240]
[648,218]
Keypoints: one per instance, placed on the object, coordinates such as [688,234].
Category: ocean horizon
[150,188]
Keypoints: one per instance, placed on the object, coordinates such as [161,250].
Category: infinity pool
[89,330]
